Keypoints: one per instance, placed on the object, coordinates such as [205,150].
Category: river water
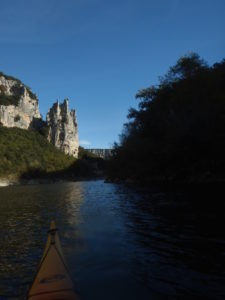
[120,243]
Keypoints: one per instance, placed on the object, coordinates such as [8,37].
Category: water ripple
[141,245]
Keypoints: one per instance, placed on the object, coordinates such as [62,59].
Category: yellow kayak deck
[52,280]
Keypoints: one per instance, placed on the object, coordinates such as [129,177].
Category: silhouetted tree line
[178,131]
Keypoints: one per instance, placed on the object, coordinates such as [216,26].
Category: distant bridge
[102,153]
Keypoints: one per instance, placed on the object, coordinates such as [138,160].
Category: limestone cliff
[63,130]
[19,108]
[18,105]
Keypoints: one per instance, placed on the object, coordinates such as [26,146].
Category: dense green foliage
[178,131]
[28,152]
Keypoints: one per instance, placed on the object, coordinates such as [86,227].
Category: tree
[186,67]
[178,130]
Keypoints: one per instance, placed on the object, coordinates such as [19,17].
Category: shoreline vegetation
[98,174]
[26,157]
[177,134]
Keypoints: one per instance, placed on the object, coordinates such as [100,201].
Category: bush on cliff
[9,100]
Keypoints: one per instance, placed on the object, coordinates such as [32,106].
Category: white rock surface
[23,114]
[63,129]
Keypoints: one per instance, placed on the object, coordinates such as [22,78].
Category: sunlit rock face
[63,129]
[19,108]
[18,105]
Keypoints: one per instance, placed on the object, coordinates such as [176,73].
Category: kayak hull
[52,280]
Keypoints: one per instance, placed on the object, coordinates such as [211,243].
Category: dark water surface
[119,243]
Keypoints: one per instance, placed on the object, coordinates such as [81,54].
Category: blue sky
[99,53]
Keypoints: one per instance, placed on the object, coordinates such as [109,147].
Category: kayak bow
[52,280]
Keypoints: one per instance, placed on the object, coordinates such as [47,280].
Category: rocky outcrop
[18,105]
[19,108]
[63,130]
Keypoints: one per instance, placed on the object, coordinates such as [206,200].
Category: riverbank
[4,182]
[9,180]
[84,169]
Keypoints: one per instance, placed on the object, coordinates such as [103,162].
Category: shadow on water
[180,241]
[120,242]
